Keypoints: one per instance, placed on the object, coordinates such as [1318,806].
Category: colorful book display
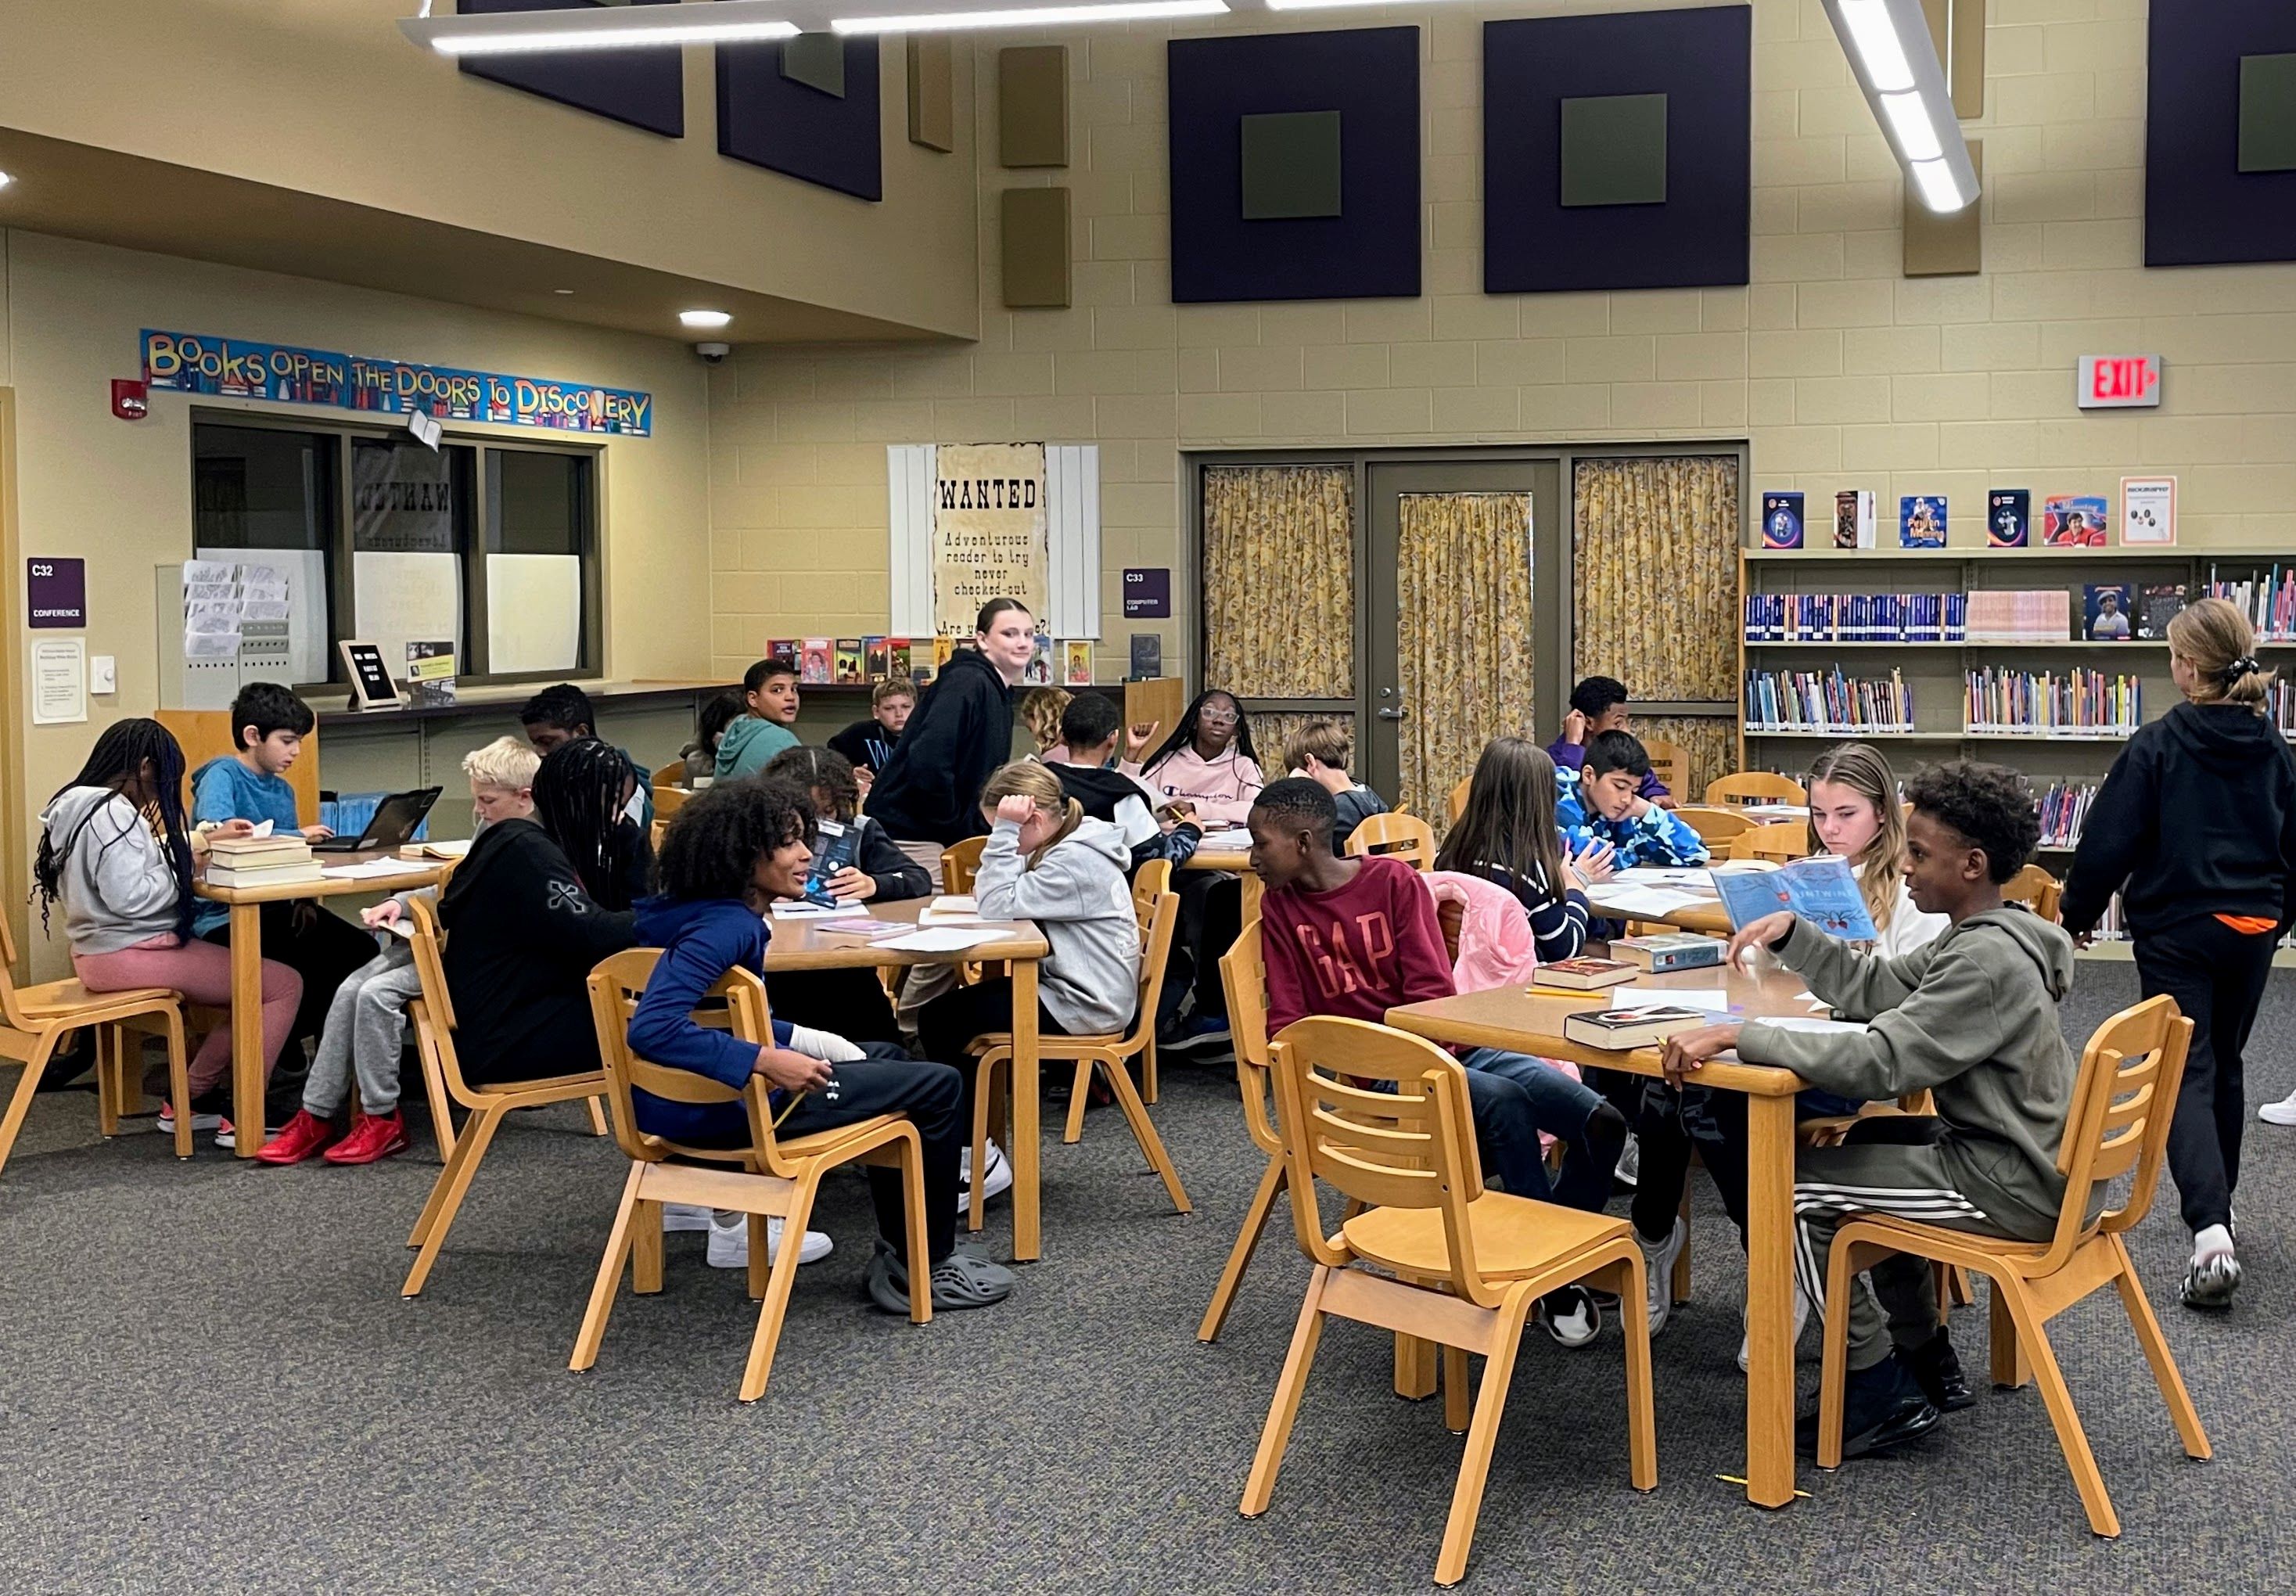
[1782,520]
[2062,809]
[2008,517]
[1921,521]
[2020,615]
[2268,598]
[2074,703]
[1856,617]
[2074,521]
[2107,611]
[1827,702]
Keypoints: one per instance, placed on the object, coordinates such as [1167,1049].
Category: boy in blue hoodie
[1601,801]
[269,725]
[727,855]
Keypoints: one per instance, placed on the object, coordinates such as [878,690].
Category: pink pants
[202,972]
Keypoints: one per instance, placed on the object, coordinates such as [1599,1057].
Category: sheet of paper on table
[369,869]
[1714,999]
[1693,877]
[941,939]
[797,908]
[1645,902]
[1235,839]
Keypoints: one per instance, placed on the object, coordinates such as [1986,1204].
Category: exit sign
[2118,382]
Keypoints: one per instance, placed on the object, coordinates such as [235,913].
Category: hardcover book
[944,646]
[785,648]
[1781,520]
[1822,890]
[1622,1029]
[1853,518]
[1586,975]
[813,664]
[2157,607]
[1673,950]
[876,658]
[1921,521]
[1039,673]
[1075,662]
[897,661]
[2008,517]
[1147,657]
[2072,521]
[848,661]
[2107,609]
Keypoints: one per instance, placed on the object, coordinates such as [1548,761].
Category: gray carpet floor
[207,1374]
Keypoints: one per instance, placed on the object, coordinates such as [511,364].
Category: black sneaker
[1938,1373]
[1883,1407]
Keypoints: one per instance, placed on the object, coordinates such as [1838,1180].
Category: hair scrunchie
[2242,666]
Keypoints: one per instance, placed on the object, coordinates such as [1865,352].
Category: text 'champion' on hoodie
[960,732]
[1090,982]
[700,941]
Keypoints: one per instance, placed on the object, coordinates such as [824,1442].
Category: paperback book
[848,663]
[1853,518]
[876,657]
[2156,606]
[2072,521]
[785,648]
[1039,673]
[1075,662]
[813,664]
[1822,889]
[2008,518]
[1921,521]
[1147,657]
[1586,975]
[1781,520]
[899,663]
[831,852]
[2105,608]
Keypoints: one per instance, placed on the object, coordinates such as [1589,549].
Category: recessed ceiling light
[704,320]
[561,291]
[5,179]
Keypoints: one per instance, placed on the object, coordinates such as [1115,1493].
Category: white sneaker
[999,1178]
[2283,1113]
[201,1123]
[1630,1172]
[1800,1319]
[683,1216]
[729,1245]
[1658,1271]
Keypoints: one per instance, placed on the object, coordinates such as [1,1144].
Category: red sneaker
[373,1137]
[296,1140]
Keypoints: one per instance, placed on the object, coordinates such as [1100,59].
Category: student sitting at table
[1601,803]
[1507,834]
[268,725]
[1971,1019]
[1598,703]
[726,857]
[867,744]
[1090,728]
[700,755]
[563,713]
[1319,751]
[1356,937]
[367,1025]
[1046,861]
[1039,714]
[116,851]
[769,693]
[1208,760]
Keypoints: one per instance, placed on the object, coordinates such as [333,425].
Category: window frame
[471,665]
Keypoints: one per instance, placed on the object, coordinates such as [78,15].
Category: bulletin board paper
[534,611]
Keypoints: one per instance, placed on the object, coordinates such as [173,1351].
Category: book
[2156,606]
[1586,975]
[832,852]
[944,649]
[876,658]
[1808,701]
[813,664]
[429,674]
[2267,596]
[1039,673]
[1623,1030]
[1853,518]
[1075,662]
[1822,889]
[2065,704]
[1671,951]
[291,874]
[847,662]
[1781,520]
[2105,611]
[2008,517]
[2072,521]
[1921,521]
[898,664]
[452,850]
[784,648]
[1147,657]
[949,908]
[245,849]
[2020,615]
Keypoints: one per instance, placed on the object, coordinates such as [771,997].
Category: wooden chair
[960,862]
[1150,882]
[1108,1054]
[433,1015]
[1756,787]
[1405,837]
[1457,803]
[1716,827]
[1243,977]
[664,777]
[1670,765]
[2037,890]
[769,1176]
[1780,842]
[33,1019]
[2122,1102]
[205,733]
[666,802]
[1467,1265]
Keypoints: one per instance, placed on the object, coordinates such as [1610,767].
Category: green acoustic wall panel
[1032,106]
[2267,113]
[1614,150]
[817,61]
[1291,165]
[932,115]
[1035,226]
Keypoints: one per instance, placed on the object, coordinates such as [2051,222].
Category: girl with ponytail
[2196,829]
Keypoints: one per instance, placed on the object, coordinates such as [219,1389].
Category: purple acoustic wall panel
[645,88]
[1295,249]
[1689,230]
[2199,207]
[772,121]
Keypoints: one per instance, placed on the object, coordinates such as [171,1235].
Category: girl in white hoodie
[1045,861]
[1855,812]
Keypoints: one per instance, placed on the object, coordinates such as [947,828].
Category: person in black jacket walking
[2196,828]
[928,796]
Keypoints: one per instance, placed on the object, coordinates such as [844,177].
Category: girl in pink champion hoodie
[1207,763]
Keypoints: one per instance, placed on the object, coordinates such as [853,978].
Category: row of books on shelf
[1827,701]
[2066,702]
[858,662]
[1856,617]
[2062,809]
[2110,613]
[2267,600]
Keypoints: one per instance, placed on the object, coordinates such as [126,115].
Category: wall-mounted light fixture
[1896,62]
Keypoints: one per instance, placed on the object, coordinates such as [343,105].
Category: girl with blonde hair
[1855,812]
[2196,829]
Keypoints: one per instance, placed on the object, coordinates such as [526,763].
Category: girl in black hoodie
[2196,828]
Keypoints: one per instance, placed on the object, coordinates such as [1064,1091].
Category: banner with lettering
[989,532]
[238,368]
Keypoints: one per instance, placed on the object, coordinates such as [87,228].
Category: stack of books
[2012,615]
[1855,617]
[1809,701]
[2063,703]
[2268,598]
[260,861]
[2062,809]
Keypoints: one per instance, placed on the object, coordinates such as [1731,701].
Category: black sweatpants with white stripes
[1889,1165]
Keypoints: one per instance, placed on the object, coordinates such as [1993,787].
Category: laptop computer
[392,826]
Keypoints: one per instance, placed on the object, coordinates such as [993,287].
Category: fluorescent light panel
[1940,189]
[619,28]
[1875,37]
[1908,117]
[1033,16]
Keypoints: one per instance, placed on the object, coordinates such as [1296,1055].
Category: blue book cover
[1921,521]
[2008,518]
[833,850]
[1781,520]
[1821,889]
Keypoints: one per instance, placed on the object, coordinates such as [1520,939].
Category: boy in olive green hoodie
[1971,1019]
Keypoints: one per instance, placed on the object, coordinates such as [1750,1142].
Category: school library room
[1212,796]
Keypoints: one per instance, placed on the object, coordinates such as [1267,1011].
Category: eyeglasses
[1217,717]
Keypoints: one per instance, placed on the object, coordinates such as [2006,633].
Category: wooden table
[1706,915]
[1236,861]
[801,945]
[246,904]
[1521,1021]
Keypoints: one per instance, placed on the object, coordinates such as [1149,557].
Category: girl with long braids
[116,852]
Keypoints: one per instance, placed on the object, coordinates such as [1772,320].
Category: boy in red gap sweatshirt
[1356,937]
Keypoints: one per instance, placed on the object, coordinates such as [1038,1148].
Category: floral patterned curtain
[1280,584]
[1462,588]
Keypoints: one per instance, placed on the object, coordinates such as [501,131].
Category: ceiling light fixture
[592,28]
[1896,62]
[1908,121]
[704,321]
[5,179]
[1874,36]
[1031,16]
[1323,5]
[1940,189]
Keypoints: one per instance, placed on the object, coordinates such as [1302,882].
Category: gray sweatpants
[366,1025]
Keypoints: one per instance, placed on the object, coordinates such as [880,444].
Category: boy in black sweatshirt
[1090,728]
[2196,828]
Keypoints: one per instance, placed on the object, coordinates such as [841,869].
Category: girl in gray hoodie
[1045,861]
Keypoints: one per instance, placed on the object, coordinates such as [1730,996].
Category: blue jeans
[1515,1096]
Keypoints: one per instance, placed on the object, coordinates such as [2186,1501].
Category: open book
[1822,890]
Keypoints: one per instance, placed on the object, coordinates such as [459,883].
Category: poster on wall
[989,532]
[2148,510]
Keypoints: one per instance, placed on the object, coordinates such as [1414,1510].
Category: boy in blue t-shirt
[1602,803]
[268,724]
